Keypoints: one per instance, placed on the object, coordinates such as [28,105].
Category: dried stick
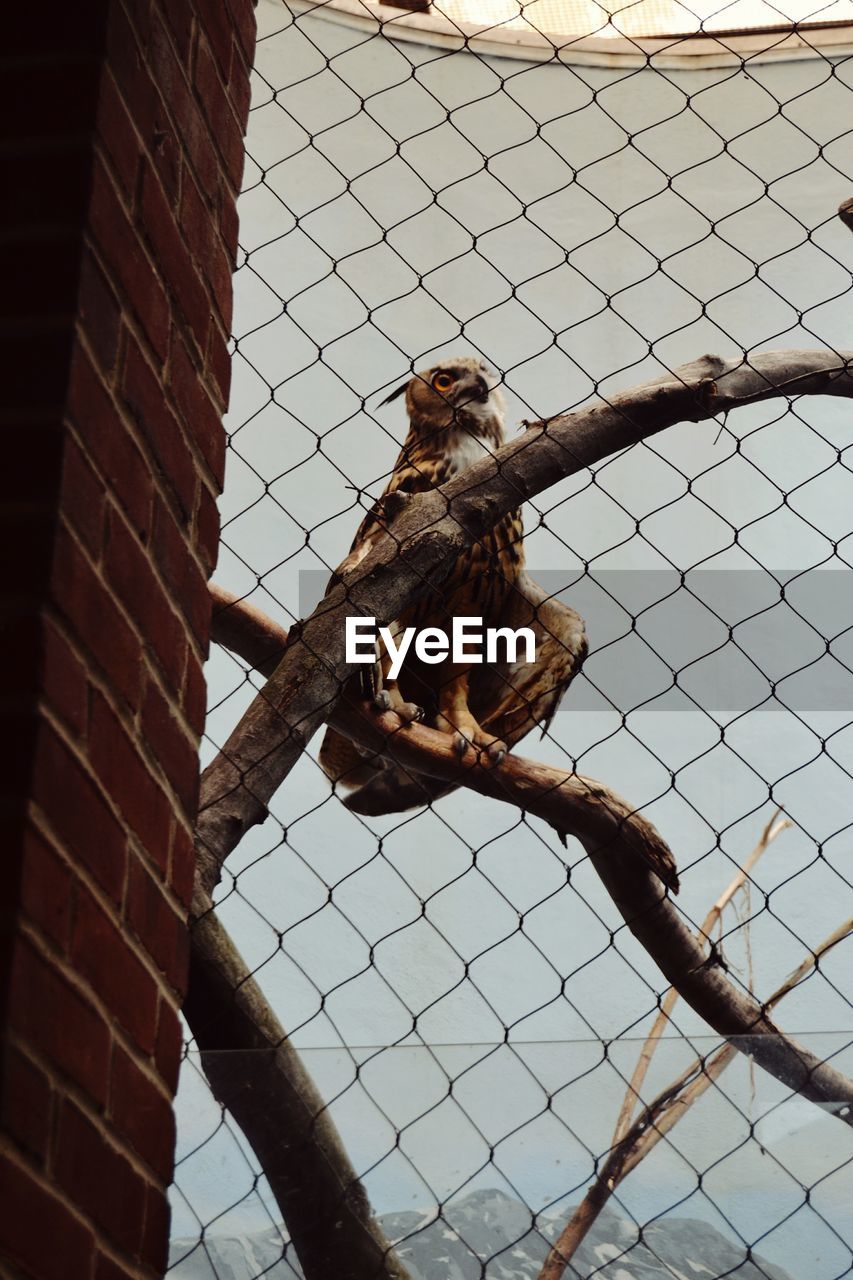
[635,1084]
[425,539]
[629,855]
[661,1115]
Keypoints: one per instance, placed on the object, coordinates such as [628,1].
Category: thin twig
[635,1084]
[659,1117]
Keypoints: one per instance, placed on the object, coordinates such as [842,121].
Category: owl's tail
[344,764]
[393,791]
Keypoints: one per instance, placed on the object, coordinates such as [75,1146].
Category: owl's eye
[442,382]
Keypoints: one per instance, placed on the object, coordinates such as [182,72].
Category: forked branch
[428,534]
[630,857]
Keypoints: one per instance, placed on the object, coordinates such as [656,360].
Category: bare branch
[703,934]
[426,537]
[613,835]
[256,1073]
[664,1112]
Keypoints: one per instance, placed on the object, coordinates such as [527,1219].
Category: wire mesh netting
[460,985]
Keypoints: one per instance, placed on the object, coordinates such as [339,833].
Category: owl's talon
[496,751]
[409,712]
[460,744]
[383,701]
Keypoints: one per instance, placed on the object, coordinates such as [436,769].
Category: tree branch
[427,536]
[255,1072]
[661,1115]
[635,1084]
[611,832]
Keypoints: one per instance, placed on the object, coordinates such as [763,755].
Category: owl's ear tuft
[394,394]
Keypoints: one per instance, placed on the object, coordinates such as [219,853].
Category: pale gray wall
[710,174]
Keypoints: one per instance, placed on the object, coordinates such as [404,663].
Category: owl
[456,418]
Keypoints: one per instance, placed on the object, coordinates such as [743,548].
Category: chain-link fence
[460,985]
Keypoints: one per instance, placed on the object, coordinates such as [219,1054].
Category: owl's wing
[405,478]
[341,759]
[516,698]
[508,699]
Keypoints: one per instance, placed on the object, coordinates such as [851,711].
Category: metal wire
[463,990]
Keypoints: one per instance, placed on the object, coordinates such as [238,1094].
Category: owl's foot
[409,712]
[469,734]
[494,750]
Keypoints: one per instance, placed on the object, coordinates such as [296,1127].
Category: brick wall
[122,137]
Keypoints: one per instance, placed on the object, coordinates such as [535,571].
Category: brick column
[122,137]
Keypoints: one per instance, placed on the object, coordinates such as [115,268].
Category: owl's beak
[481,390]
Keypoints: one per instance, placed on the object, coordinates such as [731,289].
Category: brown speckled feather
[489,581]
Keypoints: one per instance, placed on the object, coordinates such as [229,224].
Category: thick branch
[613,835]
[428,535]
[256,1073]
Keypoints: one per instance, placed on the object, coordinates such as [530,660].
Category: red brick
[33,1221]
[170,743]
[158,923]
[129,571]
[229,225]
[188,120]
[108,442]
[101,955]
[131,269]
[140,14]
[155,1242]
[220,270]
[240,82]
[195,691]
[82,597]
[172,256]
[170,1046]
[207,528]
[107,1268]
[198,220]
[218,365]
[245,30]
[182,864]
[64,683]
[125,776]
[217,24]
[99,313]
[143,392]
[142,1114]
[181,20]
[144,91]
[171,547]
[82,497]
[120,139]
[46,884]
[200,414]
[129,69]
[58,1022]
[101,1181]
[26,1103]
[78,813]
[219,111]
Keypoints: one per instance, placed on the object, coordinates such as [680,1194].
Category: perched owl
[456,418]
